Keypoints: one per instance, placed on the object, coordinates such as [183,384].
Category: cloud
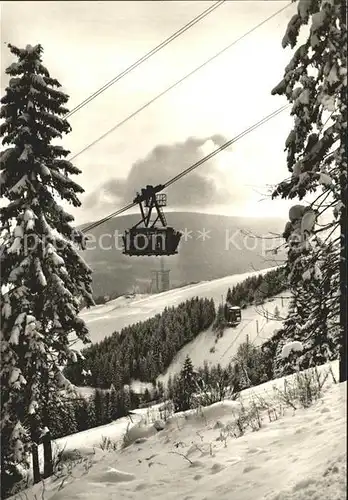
[215,182]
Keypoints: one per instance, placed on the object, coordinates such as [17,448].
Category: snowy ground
[102,320]
[205,348]
[299,456]
[254,325]
[105,319]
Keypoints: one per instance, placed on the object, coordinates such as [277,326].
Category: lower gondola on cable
[147,237]
[233,315]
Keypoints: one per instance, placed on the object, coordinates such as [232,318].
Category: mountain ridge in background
[215,246]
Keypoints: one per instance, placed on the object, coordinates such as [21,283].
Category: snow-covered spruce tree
[290,331]
[315,82]
[314,310]
[248,365]
[185,387]
[313,315]
[42,275]
[319,335]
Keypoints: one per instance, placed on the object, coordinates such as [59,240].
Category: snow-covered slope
[206,346]
[254,324]
[103,320]
[299,456]
[118,313]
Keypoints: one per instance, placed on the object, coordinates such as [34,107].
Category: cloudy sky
[86,44]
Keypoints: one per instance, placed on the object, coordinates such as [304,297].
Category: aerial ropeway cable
[178,82]
[226,145]
[147,239]
[163,44]
[150,200]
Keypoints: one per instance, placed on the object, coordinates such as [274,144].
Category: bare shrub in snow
[254,416]
[304,388]
[249,418]
[108,445]
[182,455]
[166,410]
[213,393]
[126,437]
[58,459]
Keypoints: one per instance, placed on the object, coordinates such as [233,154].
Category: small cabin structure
[233,315]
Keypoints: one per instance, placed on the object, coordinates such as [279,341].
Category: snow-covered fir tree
[314,310]
[315,82]
[185,387]
[319,332]
[248,367]
[43,276]
[290,331]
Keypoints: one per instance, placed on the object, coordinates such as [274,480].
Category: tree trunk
[36,467]
[46,440]
[48,460]
[34,435]
[343,289]
[343,228]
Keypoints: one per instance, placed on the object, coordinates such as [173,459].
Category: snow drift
[299,456]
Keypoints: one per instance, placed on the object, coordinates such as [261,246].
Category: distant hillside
[197,260]
[144,350]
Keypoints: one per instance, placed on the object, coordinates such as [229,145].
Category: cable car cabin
[147,241]
[233,315]
[146,238]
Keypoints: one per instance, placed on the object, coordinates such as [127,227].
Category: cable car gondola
[233,315]
[145,238]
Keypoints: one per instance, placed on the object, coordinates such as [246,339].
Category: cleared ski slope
[204,347]
[105,319]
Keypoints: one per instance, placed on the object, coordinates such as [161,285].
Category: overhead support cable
[132,115]
[194,166]
[146,56]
